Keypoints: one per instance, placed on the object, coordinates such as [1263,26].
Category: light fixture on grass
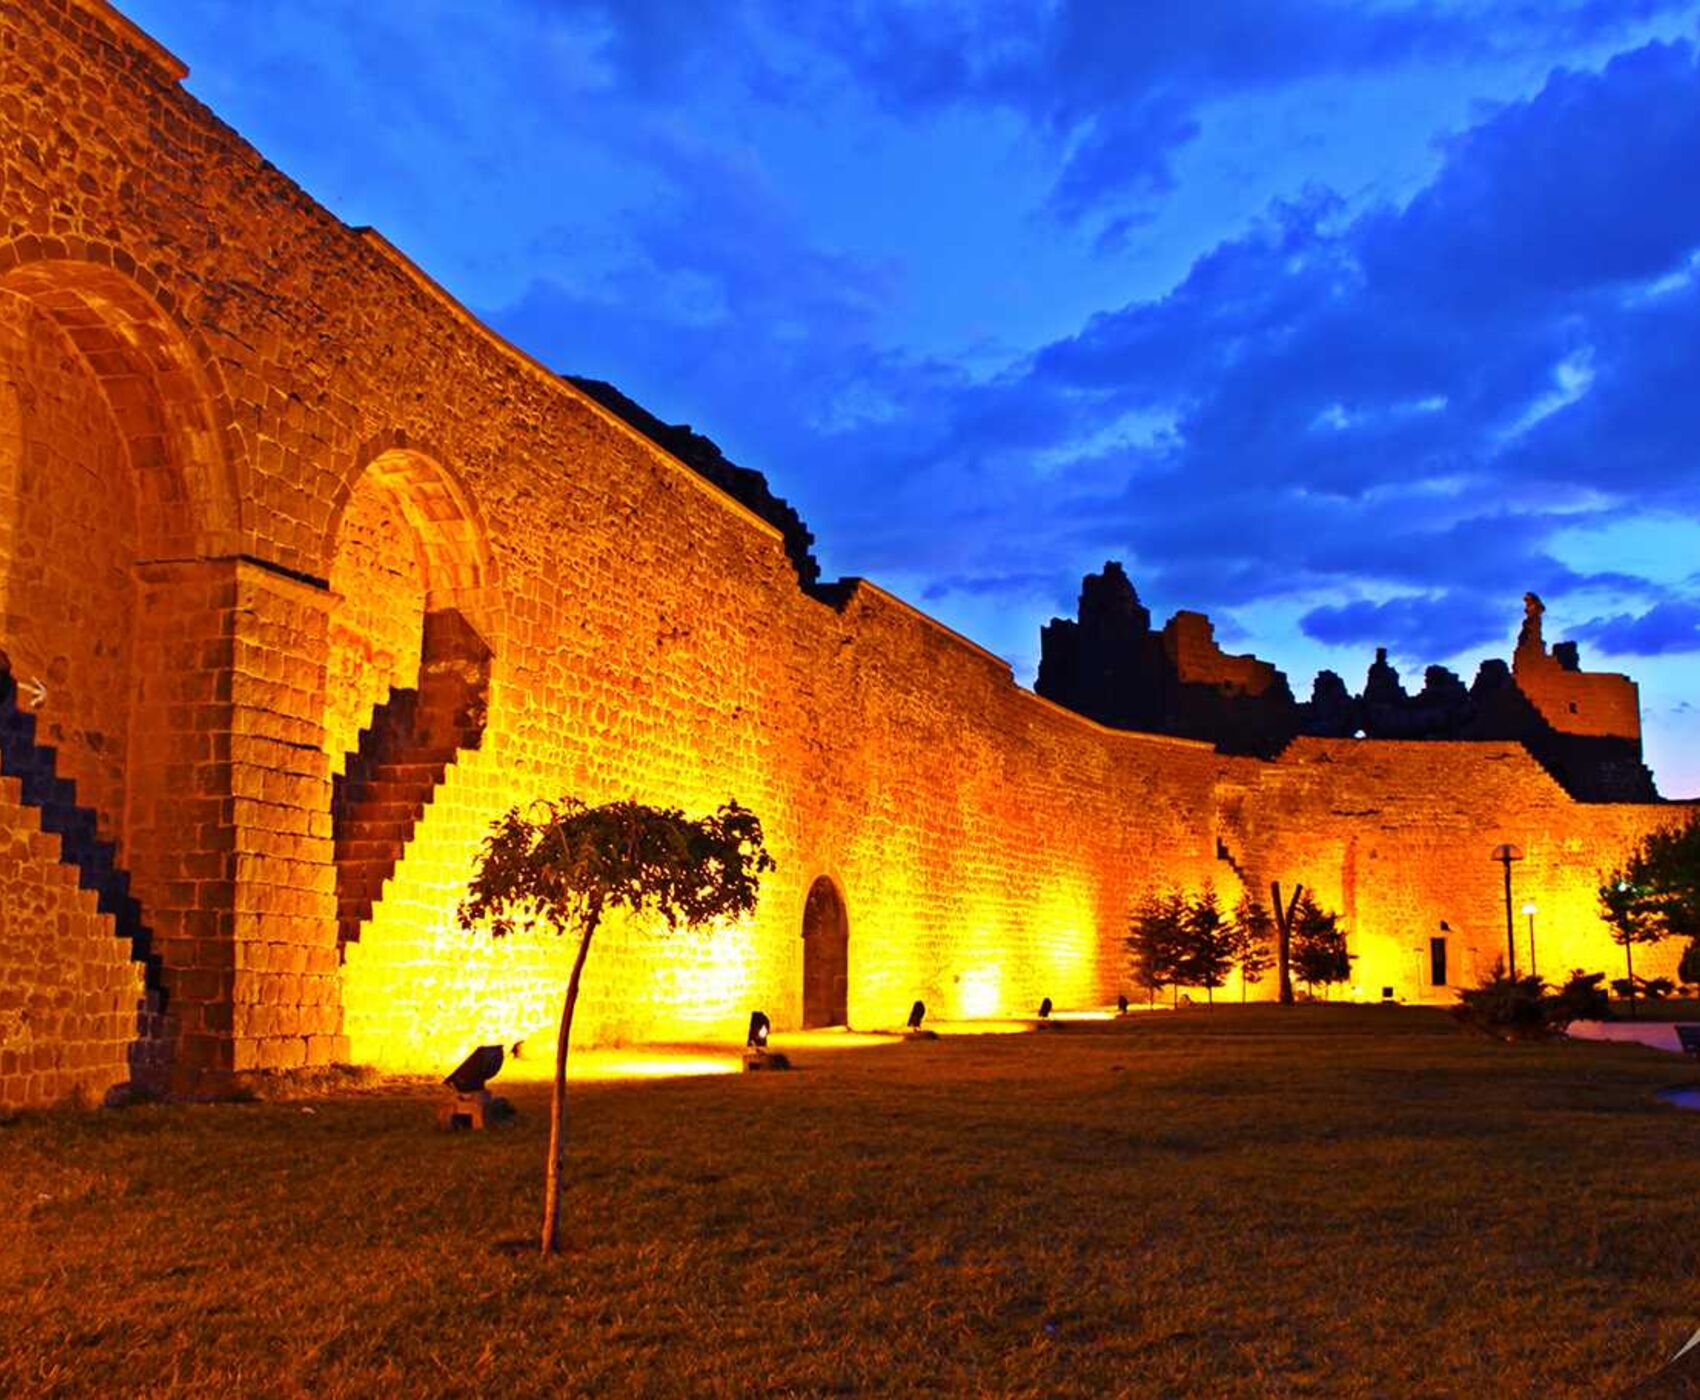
[917,1014]
[471,1105]
[756,1054]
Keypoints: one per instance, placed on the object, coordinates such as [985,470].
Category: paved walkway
[1661,1035]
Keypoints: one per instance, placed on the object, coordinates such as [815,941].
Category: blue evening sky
[1345,322]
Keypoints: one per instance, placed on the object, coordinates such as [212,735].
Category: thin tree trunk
[558,1099]
[1284,939]
[1629,960]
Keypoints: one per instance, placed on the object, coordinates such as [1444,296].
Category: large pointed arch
[826,956]
[161,382]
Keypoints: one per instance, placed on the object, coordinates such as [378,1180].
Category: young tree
[1655,894]
[1254,941]
[1632,912]
[568,864]
[1284,939]
[1319,946]
[1207,945]
[1154,941]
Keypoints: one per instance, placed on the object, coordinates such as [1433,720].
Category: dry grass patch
[1323,1200]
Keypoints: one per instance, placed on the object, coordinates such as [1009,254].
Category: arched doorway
[826,957]
[408,668]
[113,486]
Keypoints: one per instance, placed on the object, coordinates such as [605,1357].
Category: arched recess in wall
[112,458]
[408,673]
[826,956]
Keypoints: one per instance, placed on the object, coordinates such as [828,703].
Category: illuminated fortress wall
[1399,838]
[320,577]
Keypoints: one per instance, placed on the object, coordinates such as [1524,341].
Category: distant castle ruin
[1111,665]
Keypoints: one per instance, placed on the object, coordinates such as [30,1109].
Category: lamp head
[759,1028]
[476,1070]
[1045,1009]
[917,1014]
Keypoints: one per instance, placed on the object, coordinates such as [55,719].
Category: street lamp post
[1529,909]
[1505,854]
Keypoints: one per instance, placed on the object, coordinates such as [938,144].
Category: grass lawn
[1312,1201]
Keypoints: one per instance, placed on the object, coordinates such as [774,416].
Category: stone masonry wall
[323,445]
[67,548]
[1399,837]
[376,620]
[69,994]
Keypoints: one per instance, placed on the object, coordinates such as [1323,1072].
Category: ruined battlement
[1584,727]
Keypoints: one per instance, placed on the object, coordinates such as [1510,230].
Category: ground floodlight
[476,1070]
[1045,1009]
[1121,1004]
[759,1027]
[917,1014]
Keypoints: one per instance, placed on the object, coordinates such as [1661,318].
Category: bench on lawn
[1689,1035]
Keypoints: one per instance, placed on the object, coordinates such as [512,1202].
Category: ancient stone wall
[69,991]
[67,551]
[346,489]
[1398,837]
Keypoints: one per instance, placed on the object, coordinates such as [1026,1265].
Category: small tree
[1154,941]
[1631,910]
[569,864]
[1207,945]
[1254,941]
[1319,946]
[1655,894]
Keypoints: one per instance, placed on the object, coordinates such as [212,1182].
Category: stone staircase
[401,759]
[35,766]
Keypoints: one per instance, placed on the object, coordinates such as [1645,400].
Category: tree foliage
[1178,940]
[566,864]
[1154,940]
[1506,1007]
[1654,895]
[1254,941]
[1207,945]
[1582,998]
[1319,953]
[562,865]
[1522,1008]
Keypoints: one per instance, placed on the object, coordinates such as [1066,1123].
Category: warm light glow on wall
[1067,943]
[980,993]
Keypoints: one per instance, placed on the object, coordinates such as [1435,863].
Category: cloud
[1410,399]
[1120,89]
[1423,627]
[1665,628]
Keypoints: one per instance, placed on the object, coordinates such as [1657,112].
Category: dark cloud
[1663,629]
[1121,87]
[1421,628]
